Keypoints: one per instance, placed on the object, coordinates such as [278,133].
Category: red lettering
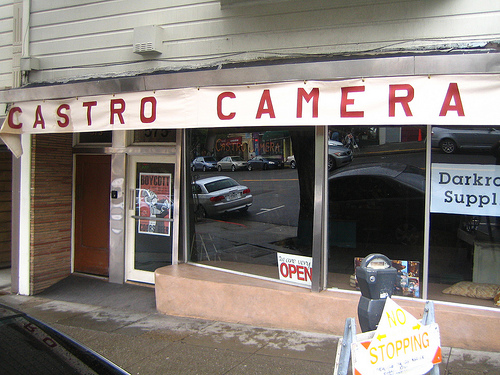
[403,100]
[10,118]
[39,118]
[345,101]
[293,269]
[300,273]
[284,269]
[117,107]
[222,116]
[308,273]
[265,105]
[302,94]
[452,94]
[152,118]
[89,106]
[63,115]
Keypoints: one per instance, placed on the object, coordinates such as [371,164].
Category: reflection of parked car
[383,202]
[452,139]
[220,194]
[260,162]
[231,163]
[204,163]
[290,162]
[338,156]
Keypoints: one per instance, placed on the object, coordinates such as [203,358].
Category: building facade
[388,110]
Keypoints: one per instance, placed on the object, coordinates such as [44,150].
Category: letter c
[10,119]
[222,116]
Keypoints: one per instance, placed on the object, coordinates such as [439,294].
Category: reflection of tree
[303,148]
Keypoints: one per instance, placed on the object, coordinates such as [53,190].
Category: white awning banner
[413,100]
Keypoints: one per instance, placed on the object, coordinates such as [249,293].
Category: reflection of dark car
[260,162]
[220,194]
[452,139]
[29,346]
[204,163]
[231,163]
[380,202]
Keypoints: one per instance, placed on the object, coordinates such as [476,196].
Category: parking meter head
[376,277]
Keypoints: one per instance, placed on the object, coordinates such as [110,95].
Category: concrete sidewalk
[121,323]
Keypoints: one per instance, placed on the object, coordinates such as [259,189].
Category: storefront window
[465,236]
[376,202]
[252,192]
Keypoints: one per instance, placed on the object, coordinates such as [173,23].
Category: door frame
[132,274]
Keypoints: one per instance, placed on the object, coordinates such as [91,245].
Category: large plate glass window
[252,197]
[376,202]
[464,256]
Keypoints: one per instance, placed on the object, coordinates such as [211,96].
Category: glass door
[150,222]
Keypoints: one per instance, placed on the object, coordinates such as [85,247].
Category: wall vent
[148,39]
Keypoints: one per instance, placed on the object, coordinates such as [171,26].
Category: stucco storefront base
[186,290]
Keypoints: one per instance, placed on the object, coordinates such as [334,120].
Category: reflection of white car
[220,194]
[290,162]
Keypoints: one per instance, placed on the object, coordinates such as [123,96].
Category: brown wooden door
[92,199]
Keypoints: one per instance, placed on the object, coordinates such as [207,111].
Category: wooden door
[92,200]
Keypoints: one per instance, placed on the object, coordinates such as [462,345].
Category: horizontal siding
[94,38]
[6,12]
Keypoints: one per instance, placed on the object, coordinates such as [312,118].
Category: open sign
[295,268]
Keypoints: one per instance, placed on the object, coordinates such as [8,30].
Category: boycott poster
[154,201]
[400,345]
[468,189]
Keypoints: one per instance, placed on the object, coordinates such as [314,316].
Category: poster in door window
[155,202]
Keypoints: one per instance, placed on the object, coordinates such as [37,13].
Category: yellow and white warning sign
[400,345]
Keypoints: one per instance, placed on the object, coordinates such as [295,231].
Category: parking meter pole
[427,319]
[344,348]
[376,279]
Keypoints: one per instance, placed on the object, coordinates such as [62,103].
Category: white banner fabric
[412,100]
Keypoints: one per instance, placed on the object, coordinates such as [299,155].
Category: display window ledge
[212,294]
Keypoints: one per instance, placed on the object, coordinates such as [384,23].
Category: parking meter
[376,279]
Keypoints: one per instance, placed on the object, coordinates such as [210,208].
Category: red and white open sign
[295,268]
[400,345]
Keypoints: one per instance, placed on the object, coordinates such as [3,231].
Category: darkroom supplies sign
[468,189]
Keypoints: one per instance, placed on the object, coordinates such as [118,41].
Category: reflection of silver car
[231,163]
[451,139]
[338,155]
[220,194]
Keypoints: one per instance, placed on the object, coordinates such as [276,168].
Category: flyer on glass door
[155,201]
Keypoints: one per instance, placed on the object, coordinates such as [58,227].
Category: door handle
[131,199]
